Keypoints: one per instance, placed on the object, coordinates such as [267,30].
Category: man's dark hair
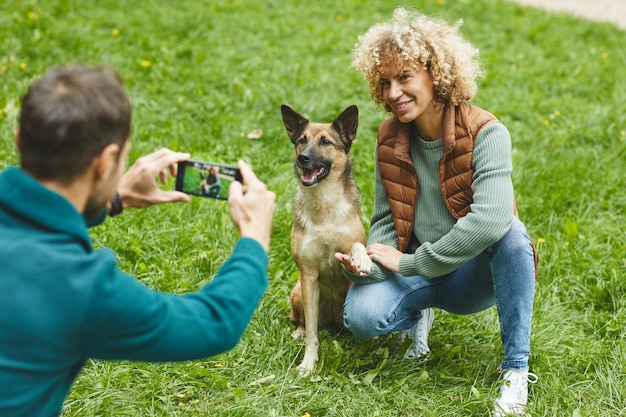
[69,116]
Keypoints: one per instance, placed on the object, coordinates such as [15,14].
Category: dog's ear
[346,124]
[294,122]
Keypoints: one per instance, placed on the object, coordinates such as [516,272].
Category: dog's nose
[303,159]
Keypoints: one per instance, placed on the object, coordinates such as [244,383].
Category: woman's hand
[386,256]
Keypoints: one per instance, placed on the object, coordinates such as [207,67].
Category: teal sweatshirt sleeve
[127,320]
[490,216]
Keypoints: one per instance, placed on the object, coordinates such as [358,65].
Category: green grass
[203,74]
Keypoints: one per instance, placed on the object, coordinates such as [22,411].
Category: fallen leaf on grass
[262,380]
[255,134]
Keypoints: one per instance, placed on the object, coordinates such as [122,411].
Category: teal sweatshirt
[62,302]
[442,243]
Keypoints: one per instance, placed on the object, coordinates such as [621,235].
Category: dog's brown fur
[327,219]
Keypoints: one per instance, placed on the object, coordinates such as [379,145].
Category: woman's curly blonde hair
[423,42]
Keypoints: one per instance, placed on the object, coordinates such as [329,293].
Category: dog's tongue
[310,176]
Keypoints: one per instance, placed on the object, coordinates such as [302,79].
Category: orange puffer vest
[461,125]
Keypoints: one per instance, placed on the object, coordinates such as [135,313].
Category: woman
[212,184]
[444,231]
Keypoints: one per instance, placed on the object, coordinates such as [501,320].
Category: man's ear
[105,163]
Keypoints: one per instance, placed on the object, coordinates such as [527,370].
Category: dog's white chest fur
[325,218]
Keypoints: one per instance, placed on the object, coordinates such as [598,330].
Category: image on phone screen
[206,179]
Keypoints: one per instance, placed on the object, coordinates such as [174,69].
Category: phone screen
[206,179]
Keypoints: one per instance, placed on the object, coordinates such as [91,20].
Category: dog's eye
[325,141]
[302,140]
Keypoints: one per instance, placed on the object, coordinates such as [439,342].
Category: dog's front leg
[310,300]
[361,258]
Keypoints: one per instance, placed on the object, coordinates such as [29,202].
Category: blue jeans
[504,275]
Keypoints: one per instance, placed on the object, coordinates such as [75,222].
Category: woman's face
[408,91]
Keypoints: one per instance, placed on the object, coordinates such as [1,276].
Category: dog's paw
[361,258]
[299,333]
[306,367]
[304,371]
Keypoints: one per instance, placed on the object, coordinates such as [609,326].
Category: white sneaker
[514,392]
[419,335]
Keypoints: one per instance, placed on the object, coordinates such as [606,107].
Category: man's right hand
[252,206]
[138,187]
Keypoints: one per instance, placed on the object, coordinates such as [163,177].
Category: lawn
[204,75]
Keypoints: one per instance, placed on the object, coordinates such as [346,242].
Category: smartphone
[206,179]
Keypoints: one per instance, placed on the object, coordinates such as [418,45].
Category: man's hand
[252,206]
[138,187]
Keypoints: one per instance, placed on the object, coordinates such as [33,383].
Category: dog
[327,219]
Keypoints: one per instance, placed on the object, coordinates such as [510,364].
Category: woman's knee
[513,261]
[361,318]
[516,241]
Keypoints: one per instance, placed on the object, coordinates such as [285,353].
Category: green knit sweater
[442,243]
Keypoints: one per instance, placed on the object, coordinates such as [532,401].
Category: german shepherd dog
[327,219]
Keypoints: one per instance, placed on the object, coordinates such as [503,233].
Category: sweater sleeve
[129,321]
[490,215]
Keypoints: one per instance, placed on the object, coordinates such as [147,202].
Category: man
[61,302]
